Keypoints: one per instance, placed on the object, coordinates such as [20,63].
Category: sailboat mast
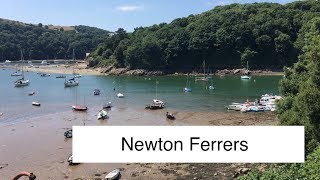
[204,68]
[21,57]
[156,89]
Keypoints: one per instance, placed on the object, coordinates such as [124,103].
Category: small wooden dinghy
[170,116]
[35,103]
[113,174]
[68,133]
[31,93]
[79,108]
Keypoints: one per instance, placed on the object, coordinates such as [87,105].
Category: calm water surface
[138,91]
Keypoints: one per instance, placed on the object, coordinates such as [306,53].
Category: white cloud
[129,8]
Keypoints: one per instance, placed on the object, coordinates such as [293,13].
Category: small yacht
[71,82]
[21,82]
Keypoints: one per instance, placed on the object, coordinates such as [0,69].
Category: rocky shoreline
[111,70]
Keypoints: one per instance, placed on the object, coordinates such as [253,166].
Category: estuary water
[138,91]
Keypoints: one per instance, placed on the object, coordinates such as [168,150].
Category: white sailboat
[187,88]
[204,77]
[156,101]
[71,82]
[246,76]
[22,81]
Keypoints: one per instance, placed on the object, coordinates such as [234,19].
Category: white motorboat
[245,77]
[113,174]
[34,103]
[71,82]
[211,87]
[120,95]
[7,61]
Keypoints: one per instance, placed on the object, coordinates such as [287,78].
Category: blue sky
[108,14]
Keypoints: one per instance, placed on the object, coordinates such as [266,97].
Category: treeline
[41,42]
[264,34]
[301,107]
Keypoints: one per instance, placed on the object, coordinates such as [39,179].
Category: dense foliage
[301,106]
[308,170]
[264,34]
[40,42]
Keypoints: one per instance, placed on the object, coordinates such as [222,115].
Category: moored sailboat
[22,81]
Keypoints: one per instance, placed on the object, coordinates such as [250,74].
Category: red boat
[79,108]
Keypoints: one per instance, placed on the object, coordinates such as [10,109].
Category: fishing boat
[22,81]
[102,115]
[96,92]
[113,174]
[34,103]
[107,105]
[120,95]
[71,82]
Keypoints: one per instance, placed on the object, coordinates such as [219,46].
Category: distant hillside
[267,35]
[47,41]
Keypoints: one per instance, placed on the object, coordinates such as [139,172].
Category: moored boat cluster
[267,102]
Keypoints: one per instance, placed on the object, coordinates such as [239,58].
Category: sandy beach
[37,145]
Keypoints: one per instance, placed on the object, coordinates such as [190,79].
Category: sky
[108,14]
